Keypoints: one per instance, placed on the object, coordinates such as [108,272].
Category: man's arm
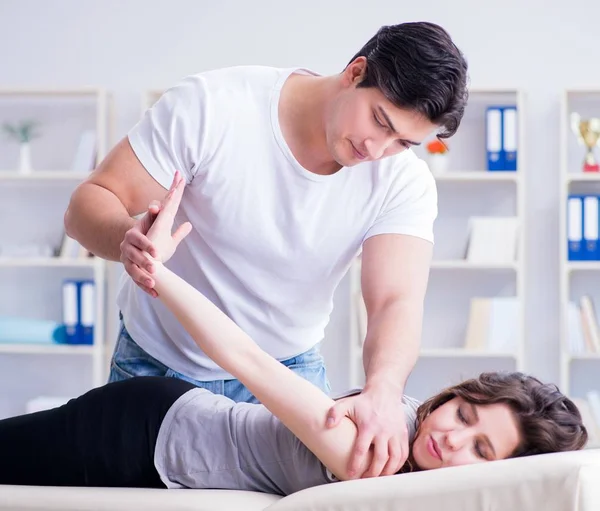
[101,208]
[395,272]
[394,276]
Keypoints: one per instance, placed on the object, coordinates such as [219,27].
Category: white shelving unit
[466,189]
[579,373]
[34,205]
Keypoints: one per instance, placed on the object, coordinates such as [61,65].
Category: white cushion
[550,482]
[129,499]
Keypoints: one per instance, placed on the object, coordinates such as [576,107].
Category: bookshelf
[466,189]
[34,202]
[579,371]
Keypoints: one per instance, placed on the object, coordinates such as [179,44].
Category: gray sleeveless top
[209,441]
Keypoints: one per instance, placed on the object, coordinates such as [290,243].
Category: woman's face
[461,433]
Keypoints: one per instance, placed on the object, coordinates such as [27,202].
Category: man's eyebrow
[389,122]
[485,437]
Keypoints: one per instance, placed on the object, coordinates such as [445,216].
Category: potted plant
[438,156]
[23,132]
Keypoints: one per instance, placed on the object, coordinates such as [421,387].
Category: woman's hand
[135,248]
[159,234]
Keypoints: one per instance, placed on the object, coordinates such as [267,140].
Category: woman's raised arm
[301,406]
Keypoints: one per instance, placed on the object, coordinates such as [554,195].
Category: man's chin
[343,159]
[347,162]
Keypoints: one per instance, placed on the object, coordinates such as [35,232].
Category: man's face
[362,125]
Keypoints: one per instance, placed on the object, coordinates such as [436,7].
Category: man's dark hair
[418,67]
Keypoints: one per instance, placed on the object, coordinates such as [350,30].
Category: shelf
[461,353]
[584,356]
[86,91]
[460,264]
[43,175]
[493,90]
[574,177]
[479,176]
[455,353]
[47,349]
[583,266]
[48,262]
[583,90]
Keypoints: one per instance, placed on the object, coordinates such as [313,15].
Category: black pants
[104,438]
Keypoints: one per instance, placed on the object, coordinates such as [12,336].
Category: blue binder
[510,137]
[79,311]
[495,154]
[590,228]
[87,308]
[70,310]
[575,245]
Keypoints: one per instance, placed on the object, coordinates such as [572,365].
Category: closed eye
[461,416]
[478,451]
[403,143]
[379,123]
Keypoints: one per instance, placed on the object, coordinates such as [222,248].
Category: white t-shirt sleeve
[411,205]
[172,133]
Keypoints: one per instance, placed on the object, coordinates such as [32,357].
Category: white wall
[126,47]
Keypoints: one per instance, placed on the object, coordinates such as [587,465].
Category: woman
[157,432]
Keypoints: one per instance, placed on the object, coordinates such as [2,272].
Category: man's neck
[302,113]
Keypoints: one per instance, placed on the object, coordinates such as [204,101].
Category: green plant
[23,132]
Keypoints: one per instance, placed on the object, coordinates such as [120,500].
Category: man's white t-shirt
[270,239]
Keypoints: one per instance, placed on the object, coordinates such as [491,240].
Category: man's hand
[379,416]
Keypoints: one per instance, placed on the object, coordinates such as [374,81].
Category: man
[290,176]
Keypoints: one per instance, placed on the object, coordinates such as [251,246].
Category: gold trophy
[588,133]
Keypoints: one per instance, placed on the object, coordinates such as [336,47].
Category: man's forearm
[392,345]
[97,219]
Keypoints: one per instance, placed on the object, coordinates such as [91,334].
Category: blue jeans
[131,360]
